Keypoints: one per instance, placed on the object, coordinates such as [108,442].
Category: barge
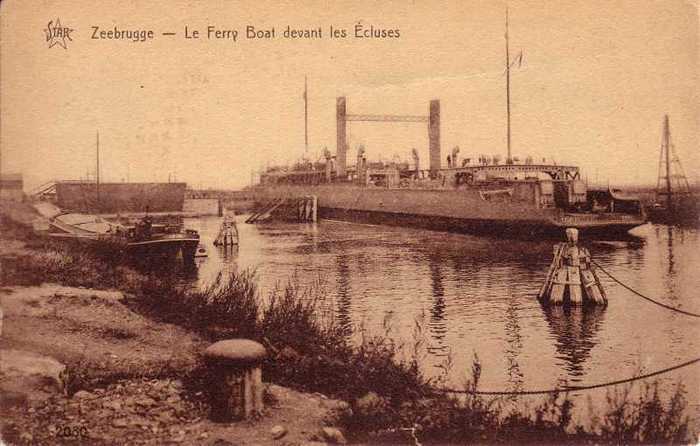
[144,240]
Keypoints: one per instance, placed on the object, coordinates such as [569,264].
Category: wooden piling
[228,233]
[571,278]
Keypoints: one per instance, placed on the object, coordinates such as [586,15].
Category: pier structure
[342,118]
[295,209]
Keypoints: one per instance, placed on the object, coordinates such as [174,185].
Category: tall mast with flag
[509,160]
[519,61]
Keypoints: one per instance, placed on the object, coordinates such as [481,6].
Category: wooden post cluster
[235,367]
[307,209]
[571,279]
[228,233]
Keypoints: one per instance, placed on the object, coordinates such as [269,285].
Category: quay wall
[236,200]
[120,197]
[202,206]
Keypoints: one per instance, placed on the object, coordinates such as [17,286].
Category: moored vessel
[143,240]
[480,194]
[508,200]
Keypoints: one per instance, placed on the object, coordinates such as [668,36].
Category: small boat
[143,240]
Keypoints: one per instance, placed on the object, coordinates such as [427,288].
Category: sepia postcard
[354,222]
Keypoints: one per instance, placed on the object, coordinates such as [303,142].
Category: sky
[595,81]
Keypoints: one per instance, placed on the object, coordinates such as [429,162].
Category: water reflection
[227,253]
[438,324]
[344,292]
[575,331]
[514,344]
[671,260]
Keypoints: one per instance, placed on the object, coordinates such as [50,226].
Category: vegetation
[309,351]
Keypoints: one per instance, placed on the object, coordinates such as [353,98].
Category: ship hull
[501,228]
[463,211]
[685,212]
[165,248]
[684,217]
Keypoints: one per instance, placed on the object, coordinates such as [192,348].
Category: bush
[646,420]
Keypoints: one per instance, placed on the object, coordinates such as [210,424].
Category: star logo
[57,34]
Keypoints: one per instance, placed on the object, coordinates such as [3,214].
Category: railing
[597,218]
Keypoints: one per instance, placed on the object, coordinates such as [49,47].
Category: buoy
[571,279]
[201,251]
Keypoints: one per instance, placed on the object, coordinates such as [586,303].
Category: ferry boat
[502,199]
[509,198]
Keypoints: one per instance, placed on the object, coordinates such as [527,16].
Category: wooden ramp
[303,209]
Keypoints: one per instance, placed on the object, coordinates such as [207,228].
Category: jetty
[293,209]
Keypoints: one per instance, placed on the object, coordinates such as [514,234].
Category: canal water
[455,296]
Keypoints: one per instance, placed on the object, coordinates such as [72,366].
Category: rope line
[568,388]
[668,307]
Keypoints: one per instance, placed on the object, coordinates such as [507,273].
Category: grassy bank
[391,400]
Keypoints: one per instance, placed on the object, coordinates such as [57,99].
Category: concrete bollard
[235,366]
[571,279]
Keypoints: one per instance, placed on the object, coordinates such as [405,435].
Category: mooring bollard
[235,366]
[571,279]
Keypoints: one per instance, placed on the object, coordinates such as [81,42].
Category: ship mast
[667,148]
[509,160]
[97,173]
[306,119]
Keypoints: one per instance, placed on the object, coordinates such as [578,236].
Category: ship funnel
[434,137]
